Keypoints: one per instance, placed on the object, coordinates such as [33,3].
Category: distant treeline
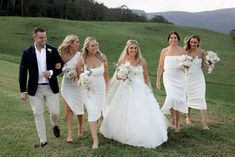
[87,10]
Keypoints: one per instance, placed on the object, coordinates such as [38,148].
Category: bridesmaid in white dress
[132,115]
[195,81]
[96,62]
[173,79]
[70,90]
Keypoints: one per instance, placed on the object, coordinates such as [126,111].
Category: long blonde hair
[124,53]
[66,44]
[99,55]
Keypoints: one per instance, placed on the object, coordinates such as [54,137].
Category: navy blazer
[29,66]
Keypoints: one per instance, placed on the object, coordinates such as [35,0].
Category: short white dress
[132,115]
[94,100]
[195,86]
[70,90]
[174,83]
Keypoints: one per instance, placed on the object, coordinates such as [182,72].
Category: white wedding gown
[132,115]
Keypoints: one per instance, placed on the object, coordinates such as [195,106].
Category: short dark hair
[38,29]
[173,32]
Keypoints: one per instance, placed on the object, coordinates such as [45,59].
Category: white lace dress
[70,90]
[133,116]
[174,83]
[195,85]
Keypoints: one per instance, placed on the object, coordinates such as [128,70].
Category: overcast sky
[170,5]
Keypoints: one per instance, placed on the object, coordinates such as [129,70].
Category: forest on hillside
[86,10]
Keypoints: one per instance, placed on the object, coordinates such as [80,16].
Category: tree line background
[86,10]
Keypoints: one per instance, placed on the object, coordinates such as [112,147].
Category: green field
[18,132]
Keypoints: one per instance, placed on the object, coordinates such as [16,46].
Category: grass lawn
[18,132]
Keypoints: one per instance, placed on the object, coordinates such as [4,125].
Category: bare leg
[80,125]
[69,119]
[188,116]
[93,127]
[204,119]
[177,123]
[172,118]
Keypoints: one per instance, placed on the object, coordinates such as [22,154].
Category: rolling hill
[222,20]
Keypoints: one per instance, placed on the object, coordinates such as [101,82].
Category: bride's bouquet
[126,71]
[85,81]
[211,59]
[185,61]
[70,72]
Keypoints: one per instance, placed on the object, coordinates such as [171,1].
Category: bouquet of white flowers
[211,59]
[185,61]
[85,80]
[126,71]
[70,72]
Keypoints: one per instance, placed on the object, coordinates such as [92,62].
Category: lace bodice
[138,74]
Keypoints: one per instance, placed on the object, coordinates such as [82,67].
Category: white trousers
[44,96]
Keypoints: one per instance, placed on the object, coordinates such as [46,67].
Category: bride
[132,115]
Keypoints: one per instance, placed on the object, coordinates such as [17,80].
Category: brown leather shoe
[40,145]
[56,131]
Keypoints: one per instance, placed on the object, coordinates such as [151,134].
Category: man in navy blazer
[41,64]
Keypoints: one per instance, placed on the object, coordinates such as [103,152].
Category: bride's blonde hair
[124,53]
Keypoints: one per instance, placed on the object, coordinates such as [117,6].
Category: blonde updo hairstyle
[66,44]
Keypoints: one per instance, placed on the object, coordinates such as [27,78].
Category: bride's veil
[114,83]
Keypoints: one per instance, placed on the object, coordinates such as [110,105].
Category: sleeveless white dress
[174,83]
[133,116]
[95,100]
[70,90]
[195,85]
